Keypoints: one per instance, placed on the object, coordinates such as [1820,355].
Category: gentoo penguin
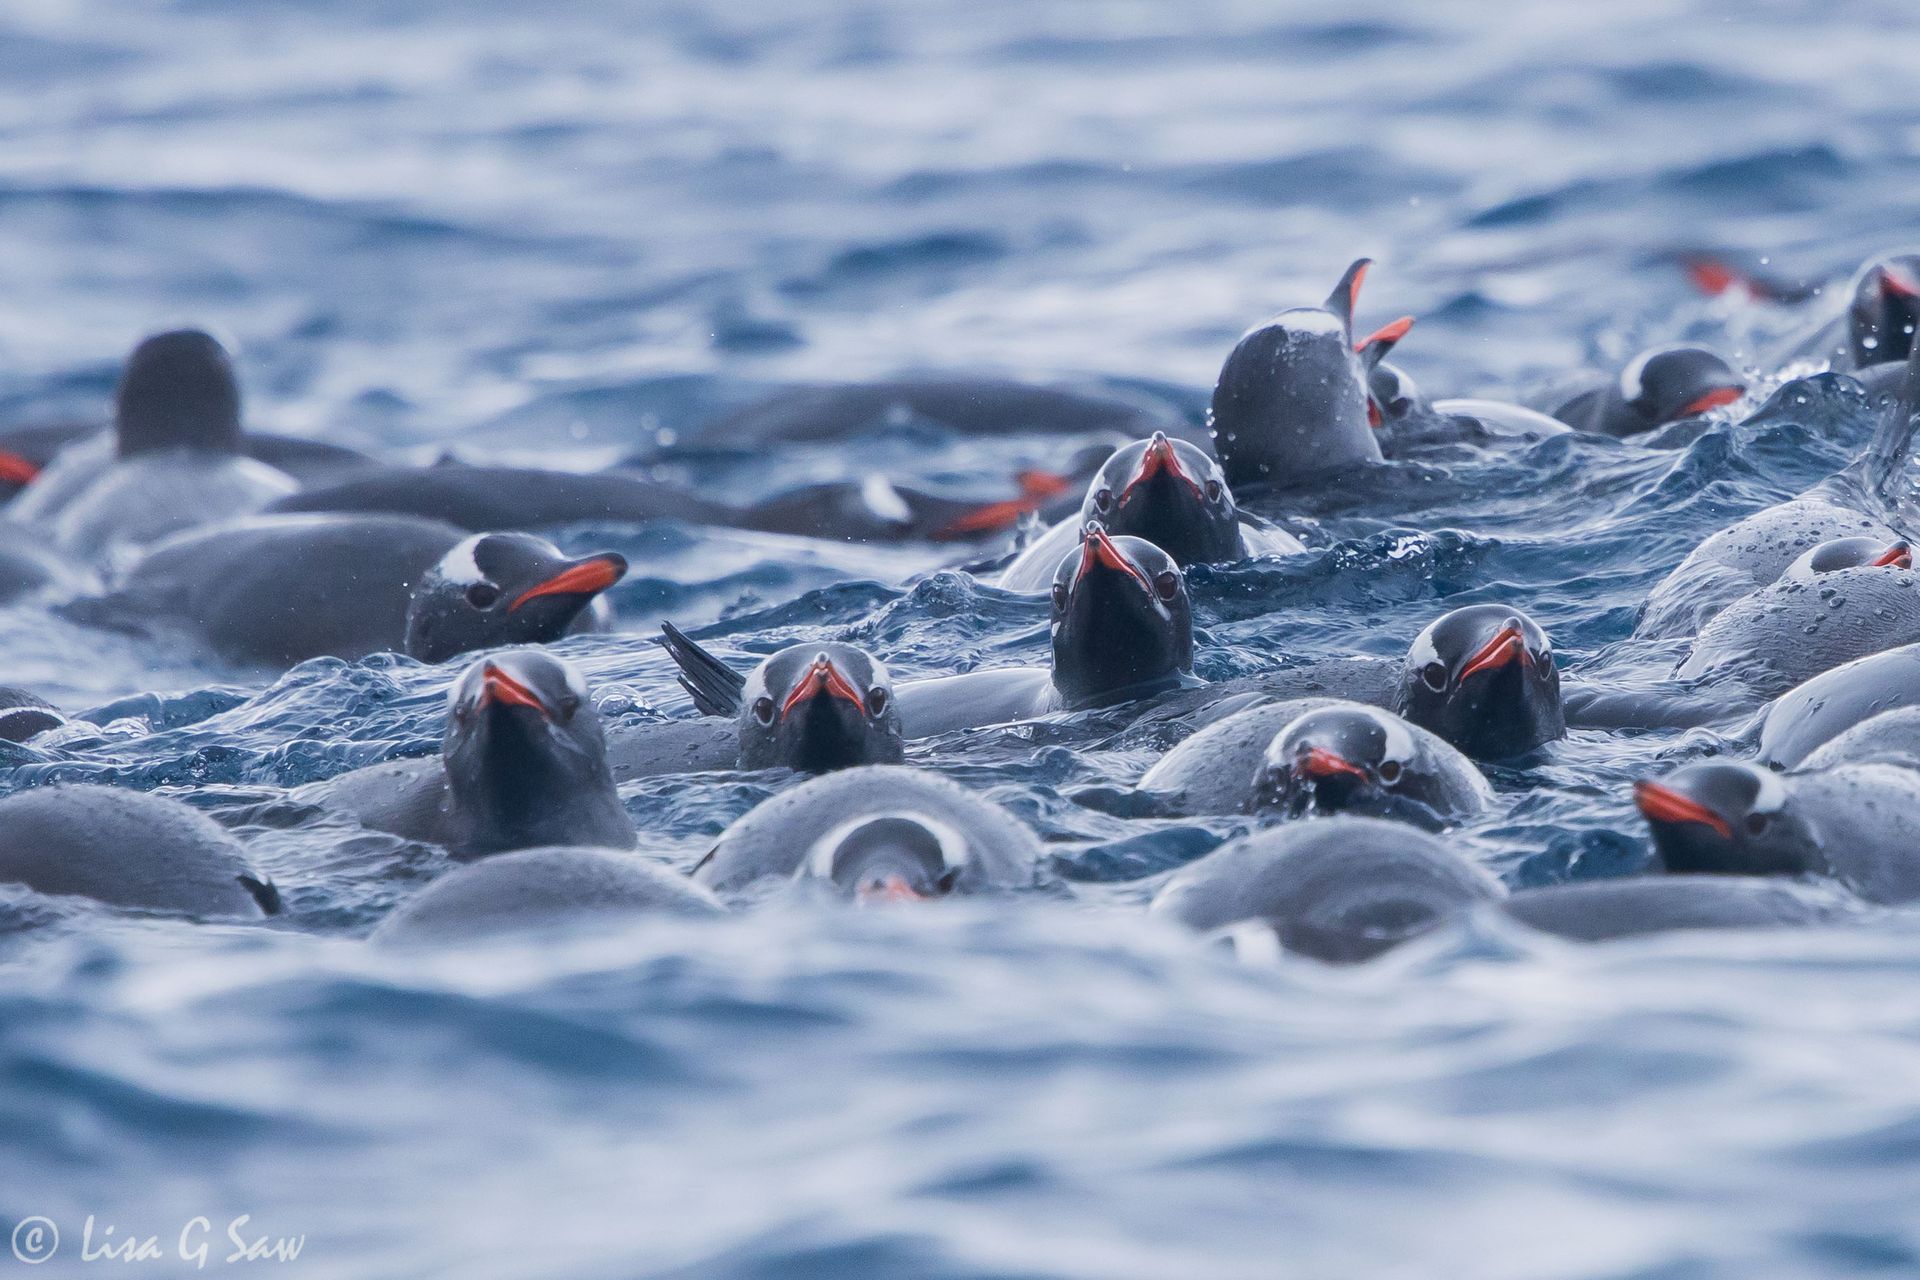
[481,498]
[823,828]
[1405,421]
[811,707]
[1883,306]
[1291,401]
[1823,708]
[1342,890]
[178,458]
[1166,491]
[1892,737]
[128,849]
[1851,823]
[523,764]
[1634,906]
[1844,599]
[24,715]
[1483,677]
[26,451]
[276,590]
[1860,501]
[533,889]
[1665,384]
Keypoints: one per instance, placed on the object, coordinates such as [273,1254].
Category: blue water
[569,230]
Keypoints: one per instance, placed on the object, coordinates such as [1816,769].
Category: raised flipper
[714,686]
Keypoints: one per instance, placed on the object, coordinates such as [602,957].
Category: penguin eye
[1167,584]
[1435,675]
[483,595]
[1103,498]
[763,710]
[1389,771]
[1544,660]
[1214,491]
[1756,824]
[568,706]
[877,700]
[1059,595]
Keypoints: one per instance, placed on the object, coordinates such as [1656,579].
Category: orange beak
[1099,549]
[1712,400]
[1664,804]
[1159,458]
[15,469]
[588,578]
[822,678]
[1319,762]
[1507,647]
[1897,556]
[891,889]
[497,686]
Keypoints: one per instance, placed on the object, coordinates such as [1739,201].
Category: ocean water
[570,232]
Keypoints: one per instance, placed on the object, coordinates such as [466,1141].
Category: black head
[526,759]
[1337,759]
[1484,678]
[1885,309]
[1392,396]
[1853,553]
[503,588]
[819,707]
[1170,493]
[896,857]
[1725,818]
[1122,623]
[177,392]
[1670,383]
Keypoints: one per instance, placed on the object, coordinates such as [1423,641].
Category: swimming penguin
[1343,890]
[1883,307]
[1851,823]
[478,499]
[811,707]
[276,590]
[1665,384]
[178,456]
[1291,401]
[1483,677]
[1859,501]
[523,764]
[1171,494]
[1405,421]
[540,888]
[823,829]
[26,451]
[1352,758]
[25,715]
[128,849]
[29,567]
[1892,737]
[1635,906]
[1844,599]
[1823,708]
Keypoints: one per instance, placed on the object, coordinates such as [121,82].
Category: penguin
[1659,386]
[1751,553]
[29,567]
[277,590]
[1342,890]
[1352,758]
[1290,404]
[1405,421]
[1844,599]
[1805,717]
[129,849]
[479,499]
[1883,308]
[1851,823]
[522,764]
[823,829]
[1892,737]
[177,460]
[1635,906]
[1483,677]
[810,707]
[26,451]
[25,715]
[1168,492]
[544,888]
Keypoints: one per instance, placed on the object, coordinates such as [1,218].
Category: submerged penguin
[179,456]
[1809,715]
[523,764]
[1635,906]
[276,590]
[1405,421]
[1168,492]
[1883,307]
[1663,385]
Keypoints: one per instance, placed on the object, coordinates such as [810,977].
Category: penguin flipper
[714,686]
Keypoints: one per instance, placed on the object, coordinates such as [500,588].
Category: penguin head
[1885,309]
[1483,677]
[1392,396]
[1121,618]
[1667,384]
[177,391]
[1337,759]
[1852,553]
[503,588]
[895,857]
[1170,493]
[516,708]
[818,707]
[1725,818]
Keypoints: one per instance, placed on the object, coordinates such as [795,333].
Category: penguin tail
[1346,294]
[714,686]
[1373,348]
